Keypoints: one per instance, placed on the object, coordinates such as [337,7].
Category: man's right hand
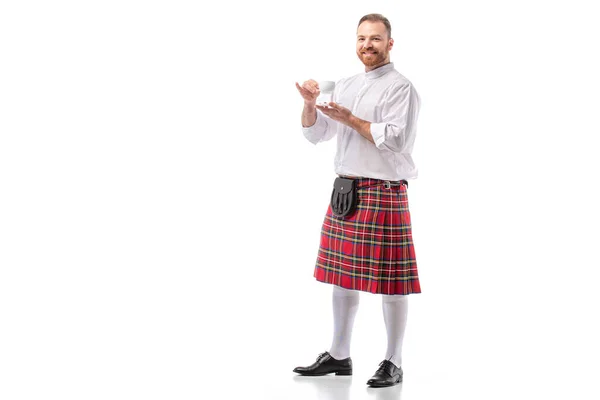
[309,91]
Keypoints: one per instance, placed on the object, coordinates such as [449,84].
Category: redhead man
[366,240]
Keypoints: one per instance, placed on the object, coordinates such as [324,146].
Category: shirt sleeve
[320,131]
[400,110]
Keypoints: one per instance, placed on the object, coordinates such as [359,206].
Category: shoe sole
[399,380]
[342,373]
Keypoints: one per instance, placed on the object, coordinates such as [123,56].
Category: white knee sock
[395,310]
[345,306]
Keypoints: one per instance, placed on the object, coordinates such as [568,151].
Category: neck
[367,69]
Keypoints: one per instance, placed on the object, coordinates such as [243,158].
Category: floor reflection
[328,387]
[385,393]
[331,387]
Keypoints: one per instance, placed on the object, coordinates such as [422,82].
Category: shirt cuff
[315,133]
[378,133]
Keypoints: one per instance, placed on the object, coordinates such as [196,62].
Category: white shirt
[389,101]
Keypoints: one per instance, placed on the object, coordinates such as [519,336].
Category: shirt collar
[379,72]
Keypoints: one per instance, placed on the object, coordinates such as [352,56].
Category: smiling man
[366,239]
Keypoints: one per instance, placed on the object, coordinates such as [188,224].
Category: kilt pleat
[372,250]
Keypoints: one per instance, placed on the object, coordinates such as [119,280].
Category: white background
[160,209]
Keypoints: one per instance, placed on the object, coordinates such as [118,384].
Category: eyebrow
[373,36]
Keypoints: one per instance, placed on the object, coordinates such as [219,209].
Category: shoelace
[383,365]
[321,356]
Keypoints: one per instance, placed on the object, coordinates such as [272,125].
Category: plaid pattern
[372,250]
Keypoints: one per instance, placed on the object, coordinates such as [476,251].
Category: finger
[325,110]
[314,83]
[303,92]
[312,86]
[327,107]
[311,89]
[301,89]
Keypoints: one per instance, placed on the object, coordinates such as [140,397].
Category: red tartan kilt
[372,250]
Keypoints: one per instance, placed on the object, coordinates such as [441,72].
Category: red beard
[371,60]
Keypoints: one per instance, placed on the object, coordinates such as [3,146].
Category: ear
[390,44]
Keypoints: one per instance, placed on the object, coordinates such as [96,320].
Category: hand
[309,91]
[336,112]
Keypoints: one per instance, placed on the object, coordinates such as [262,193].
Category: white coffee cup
[326,88]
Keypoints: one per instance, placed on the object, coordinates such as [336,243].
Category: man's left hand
[336,112]
[345,116]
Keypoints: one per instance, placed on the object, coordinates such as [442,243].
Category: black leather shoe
[326,364]
[387,375]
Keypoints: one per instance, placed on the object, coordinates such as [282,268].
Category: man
[370,249]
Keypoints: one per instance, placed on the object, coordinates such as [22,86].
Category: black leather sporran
[344,197]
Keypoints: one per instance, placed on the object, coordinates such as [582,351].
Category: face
[373,45]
